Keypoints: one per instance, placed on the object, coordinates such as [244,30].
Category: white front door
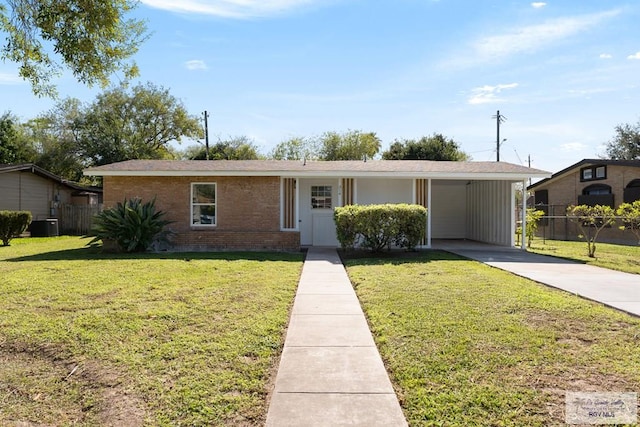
[318,197]
[324,230]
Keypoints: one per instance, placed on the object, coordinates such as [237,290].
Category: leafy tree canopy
[12,144]
[138,124]
[92,38]
[121,124]
[351,145]
[434,147]
[54,137]
[238,148]
[625,145]
[297,148]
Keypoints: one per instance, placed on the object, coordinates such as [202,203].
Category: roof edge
[608,162]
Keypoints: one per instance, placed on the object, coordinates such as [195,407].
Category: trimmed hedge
[378,226]
[13,224]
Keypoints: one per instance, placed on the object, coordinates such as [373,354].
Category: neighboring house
[27,187]
[588,182]
[270,204]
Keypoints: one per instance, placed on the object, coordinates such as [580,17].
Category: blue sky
[563,73]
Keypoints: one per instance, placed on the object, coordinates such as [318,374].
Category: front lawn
[616,257]
[471,345]
[150,339]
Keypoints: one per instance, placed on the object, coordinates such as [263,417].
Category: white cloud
[634,56]
[572,147]
[10,79]
[605,56]
[538,4]
[489,94]
[195,64]
[536,37]
[229,8]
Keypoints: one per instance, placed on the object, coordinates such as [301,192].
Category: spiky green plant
[134,226]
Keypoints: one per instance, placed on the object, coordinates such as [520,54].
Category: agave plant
[134,226]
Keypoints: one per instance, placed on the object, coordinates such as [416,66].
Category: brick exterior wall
[247,211]
[564,191]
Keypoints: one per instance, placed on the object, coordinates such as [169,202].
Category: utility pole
[499,119]
[206,134]
[529,162]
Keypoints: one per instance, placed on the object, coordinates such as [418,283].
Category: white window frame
[214,204]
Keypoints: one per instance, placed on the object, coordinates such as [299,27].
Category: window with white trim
[321,197]
[203,204]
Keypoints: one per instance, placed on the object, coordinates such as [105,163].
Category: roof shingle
[325,168]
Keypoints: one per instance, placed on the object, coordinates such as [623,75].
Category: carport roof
[303,169]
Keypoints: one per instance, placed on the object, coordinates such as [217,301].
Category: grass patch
[616,257]
[467,344]
[148,339]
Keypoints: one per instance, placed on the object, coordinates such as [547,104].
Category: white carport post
[429,213]
[523,243]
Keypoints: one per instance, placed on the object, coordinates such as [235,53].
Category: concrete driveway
[613,288]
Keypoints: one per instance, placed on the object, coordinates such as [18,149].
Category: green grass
[471,345]
[616,257]
[162,339]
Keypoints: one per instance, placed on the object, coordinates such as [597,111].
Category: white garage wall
[448,209]
[490,214]
[377,191]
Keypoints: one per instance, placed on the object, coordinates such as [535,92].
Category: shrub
[346,230]
[133,226]
[591,220]
[412,225]
[630,215]
[378,226]
[532,219]
[12,224]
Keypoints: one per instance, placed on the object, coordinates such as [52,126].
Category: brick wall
[247,210]
[564,191]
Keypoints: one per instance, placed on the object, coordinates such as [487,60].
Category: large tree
[91,38]
[55,136]
[434,147]
[12,142]
[297,148]
[119,125]
[625,145]
[238,148]
[351,145]
[138,124]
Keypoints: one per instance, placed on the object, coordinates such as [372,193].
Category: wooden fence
[76,219]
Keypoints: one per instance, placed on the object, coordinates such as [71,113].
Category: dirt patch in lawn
[43,387]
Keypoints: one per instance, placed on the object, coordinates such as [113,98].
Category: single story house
[588,182]
[284,204]
[27,187]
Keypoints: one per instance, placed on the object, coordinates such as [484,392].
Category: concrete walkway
[330,372]
[613,288]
